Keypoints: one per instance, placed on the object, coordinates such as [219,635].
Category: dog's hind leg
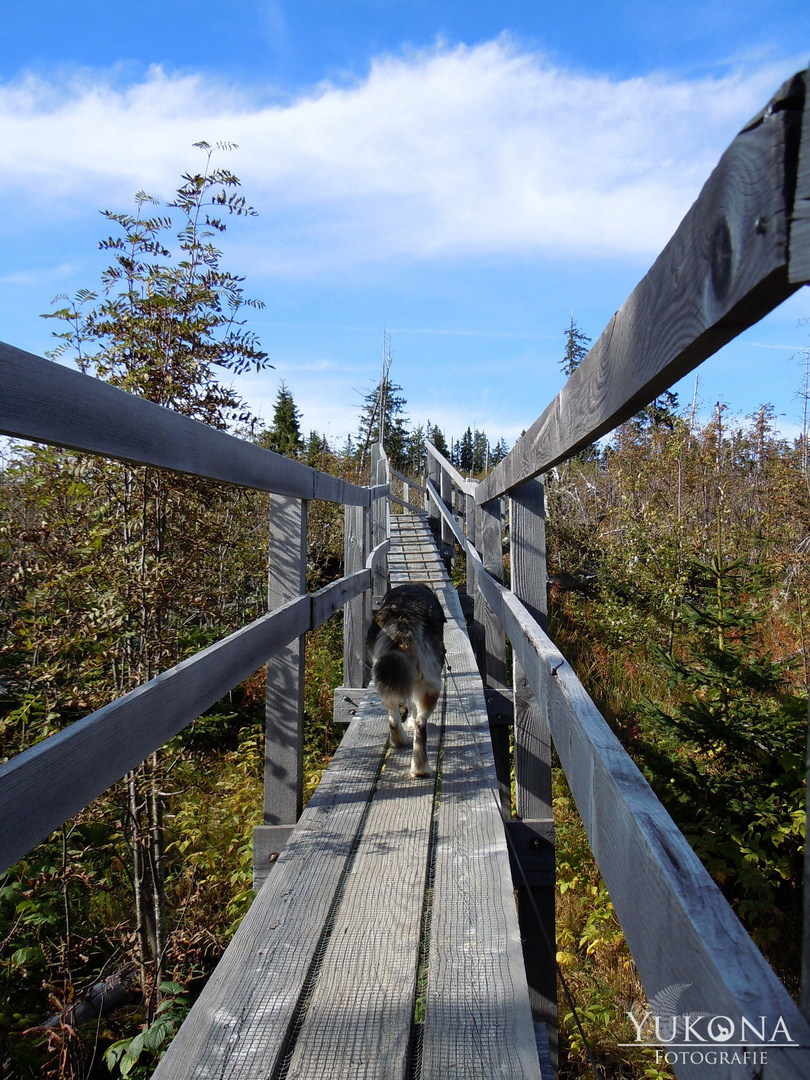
[396,714]
[425,706]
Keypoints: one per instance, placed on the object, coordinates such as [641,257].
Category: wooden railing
[742,249]
[53,780]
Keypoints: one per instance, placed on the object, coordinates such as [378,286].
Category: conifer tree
[576,348]
[284,437]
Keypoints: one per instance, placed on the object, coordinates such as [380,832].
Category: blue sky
[464,175]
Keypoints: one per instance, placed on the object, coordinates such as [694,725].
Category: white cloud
[449,152]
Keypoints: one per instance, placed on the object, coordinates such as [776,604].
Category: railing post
[284,695]
[492,657]
[533,757]
[446,492]
[379,522]
[433,471]
[357,612]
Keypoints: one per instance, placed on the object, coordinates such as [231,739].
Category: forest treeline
[688,544]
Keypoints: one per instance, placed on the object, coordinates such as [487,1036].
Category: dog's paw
[423,772]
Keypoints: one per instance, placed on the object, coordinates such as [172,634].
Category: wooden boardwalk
[385,941]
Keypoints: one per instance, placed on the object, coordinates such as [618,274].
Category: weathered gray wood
[527,536]
[379,523]
[680,928]
[359,1018]
[105,420]
[332,597]
[488,531]
[461,482]
[49,783]
[446,491]
[347,700]
[238,1027]
[432,477]
[799,268]
[722,271]
[268,843]
[477,1018]
[284,693]
[354,614]
[408,505]
[533,797]
[407,480]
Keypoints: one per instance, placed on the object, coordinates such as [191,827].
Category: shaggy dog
[406,647]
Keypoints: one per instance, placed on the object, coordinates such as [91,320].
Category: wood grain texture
[104,420]
[799,267]
[722,271]
[359,1017]
[477,1018]
[238,1028]
[446,491]
[49,783]
[332,597]
[284,687]
[354,621]
[680,928]
[489,539]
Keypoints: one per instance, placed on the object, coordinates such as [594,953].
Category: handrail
[632,835]
[44,786]
[466,484]
[407,480]
[733,259]
[46,402]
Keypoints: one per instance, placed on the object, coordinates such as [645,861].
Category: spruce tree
[284,437]
[576,348]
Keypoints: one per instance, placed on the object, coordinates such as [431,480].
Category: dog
[405,643]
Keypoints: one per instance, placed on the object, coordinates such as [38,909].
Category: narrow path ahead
[385,941]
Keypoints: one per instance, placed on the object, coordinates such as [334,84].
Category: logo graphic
[678,1036]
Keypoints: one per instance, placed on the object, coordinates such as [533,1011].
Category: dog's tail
[393,673]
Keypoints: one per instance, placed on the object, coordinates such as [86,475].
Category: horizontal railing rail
[742,249]
[49,783]
[679,927]
[46,402]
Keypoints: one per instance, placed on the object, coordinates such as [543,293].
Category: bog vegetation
[680,552]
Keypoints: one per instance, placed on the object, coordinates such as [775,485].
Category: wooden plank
[723,270]
[354,622]
[238,1029]
[332,597]
[379,524]
[477,1018]
[370,960]
[680,929]
[407,480]
[527,535]
[533,795]
[49,783]
[284,688]
[488,531]
[447,498]
[463,483]
[105,420]
[799,268]
[408,505]
[347,700]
